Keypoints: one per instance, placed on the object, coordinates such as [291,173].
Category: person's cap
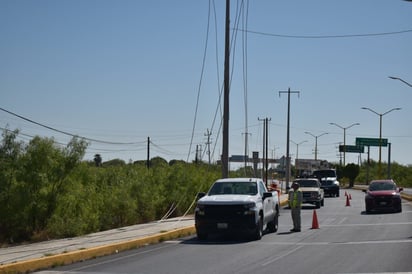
[295,185]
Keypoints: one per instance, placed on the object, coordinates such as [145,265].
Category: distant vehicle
[312,191]
[325,173]
[330,186]
[237,205]
[329,181]
[383,195]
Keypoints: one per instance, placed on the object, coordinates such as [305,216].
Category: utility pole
[208,144]
[265,149]
[225,147]
[263,145]
[148,153]
[198,156]
[288,137]
[246,154]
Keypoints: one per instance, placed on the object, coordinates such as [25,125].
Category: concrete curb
[94,252]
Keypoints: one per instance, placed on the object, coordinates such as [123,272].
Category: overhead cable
[67,133]
[325,36]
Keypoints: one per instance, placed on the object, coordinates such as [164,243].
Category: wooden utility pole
[225,149]
[148,153]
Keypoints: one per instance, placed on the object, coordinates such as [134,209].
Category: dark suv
[330,187]
[329,181]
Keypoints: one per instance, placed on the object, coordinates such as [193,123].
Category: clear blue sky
[122,71]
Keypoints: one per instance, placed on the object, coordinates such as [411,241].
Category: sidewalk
[35,256]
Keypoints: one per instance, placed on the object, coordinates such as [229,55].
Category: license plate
[382,203]
[222,225]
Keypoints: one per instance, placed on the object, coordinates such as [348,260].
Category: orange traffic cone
[346,194]
[350,197]
[347,201]
[315,224]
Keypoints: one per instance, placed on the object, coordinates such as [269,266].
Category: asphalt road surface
[347,241]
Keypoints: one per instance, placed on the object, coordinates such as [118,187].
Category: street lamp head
[397,78]
[307,132]
[381,114]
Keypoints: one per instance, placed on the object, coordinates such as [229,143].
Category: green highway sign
[373,142]
[353,149]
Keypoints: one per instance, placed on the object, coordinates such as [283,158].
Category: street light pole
[380,132]
[316,142]
[344,138]
[297,147]
[403,81]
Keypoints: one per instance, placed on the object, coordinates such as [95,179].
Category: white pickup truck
[237,205]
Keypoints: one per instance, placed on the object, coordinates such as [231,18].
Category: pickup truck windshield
[324,173]
[242,188]
[308,183]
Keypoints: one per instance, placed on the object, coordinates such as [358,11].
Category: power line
[326,36]
[67,133]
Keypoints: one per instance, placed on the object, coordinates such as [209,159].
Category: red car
[383,195]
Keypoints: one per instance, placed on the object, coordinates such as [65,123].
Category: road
[347,241]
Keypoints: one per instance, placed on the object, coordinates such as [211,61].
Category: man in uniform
[295,204]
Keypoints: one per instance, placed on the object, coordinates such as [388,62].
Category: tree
[98,160]
[10,153]
[158,162]
[351,171]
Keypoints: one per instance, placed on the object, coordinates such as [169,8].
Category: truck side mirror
[267,195]
[200,195]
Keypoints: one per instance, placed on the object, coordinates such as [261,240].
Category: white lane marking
[370,224]
[274,259]
[400,241]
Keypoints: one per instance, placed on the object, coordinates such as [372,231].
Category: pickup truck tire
[318,204]
[258,233]
[322,203]
[274,224]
